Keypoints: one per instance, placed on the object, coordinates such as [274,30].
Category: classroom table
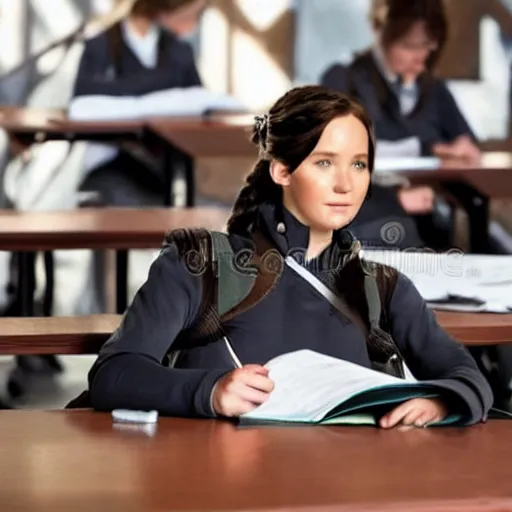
[81,461]
[27,126]
[86,334]
[94,228]
[180,140]
[477,329]
[473,186]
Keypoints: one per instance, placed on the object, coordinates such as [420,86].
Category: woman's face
[328,188]
[408,55]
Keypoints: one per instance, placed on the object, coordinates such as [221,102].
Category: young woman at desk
[414,113]
[143,53]
[316,159]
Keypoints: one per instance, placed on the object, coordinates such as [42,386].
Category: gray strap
[234,285]
[317,284]
[373,300]
[336,301]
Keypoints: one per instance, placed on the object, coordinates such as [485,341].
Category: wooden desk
[477,328]
[226,136]
[78,461]
[29,126]
[101,228]
[87,334]
[180,140]
[218,136]
[492,177]
[473,186]
[56,335]
[95,228]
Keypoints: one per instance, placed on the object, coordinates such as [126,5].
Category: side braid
[259,187]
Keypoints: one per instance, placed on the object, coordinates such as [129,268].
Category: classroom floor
[49,392]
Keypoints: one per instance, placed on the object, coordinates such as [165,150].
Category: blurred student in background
[144,53]
[414,112]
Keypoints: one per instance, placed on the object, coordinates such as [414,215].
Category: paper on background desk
[390,164]
[455,281]
[192,101]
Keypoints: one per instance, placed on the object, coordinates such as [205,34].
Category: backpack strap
[267,265]
[379,285]
[232,283]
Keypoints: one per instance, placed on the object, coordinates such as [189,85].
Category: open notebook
[313,388]
[192,101]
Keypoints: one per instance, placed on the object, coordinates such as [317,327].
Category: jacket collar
[290,237]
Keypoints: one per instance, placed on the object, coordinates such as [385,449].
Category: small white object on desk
[128,416]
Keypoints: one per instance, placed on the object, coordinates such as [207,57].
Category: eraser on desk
[129,416]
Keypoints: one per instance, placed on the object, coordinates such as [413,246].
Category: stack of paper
[455,281]
[192,101]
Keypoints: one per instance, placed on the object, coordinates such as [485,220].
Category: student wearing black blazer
[413,111]
[141,54]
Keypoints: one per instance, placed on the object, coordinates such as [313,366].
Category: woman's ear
[279,173]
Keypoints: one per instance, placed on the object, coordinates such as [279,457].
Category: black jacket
[109,67]
[129,372]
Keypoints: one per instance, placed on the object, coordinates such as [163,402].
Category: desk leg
[178,167]
[169,177]
[49,266]
[190,180]
[25,300]
[26,282]
[121,281]
[477,208]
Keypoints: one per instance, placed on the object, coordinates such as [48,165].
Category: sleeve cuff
[203,400]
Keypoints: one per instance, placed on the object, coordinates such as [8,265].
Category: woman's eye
[323,163]
[360,165]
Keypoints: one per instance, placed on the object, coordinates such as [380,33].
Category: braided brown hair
[289,133]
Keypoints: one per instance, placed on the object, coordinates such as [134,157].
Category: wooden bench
[86,334]
[56,335]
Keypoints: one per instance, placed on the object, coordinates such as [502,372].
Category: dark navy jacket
[436,117]
[109,67]
[129,372]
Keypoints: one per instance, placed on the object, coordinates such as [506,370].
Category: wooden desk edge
[87,334]
[484,504]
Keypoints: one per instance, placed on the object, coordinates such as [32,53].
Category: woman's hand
[241,390]
[418,412]
[417,200]
[462,148]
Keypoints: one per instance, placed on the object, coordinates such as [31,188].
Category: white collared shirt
[407,94]
[407,99]
[144,47]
